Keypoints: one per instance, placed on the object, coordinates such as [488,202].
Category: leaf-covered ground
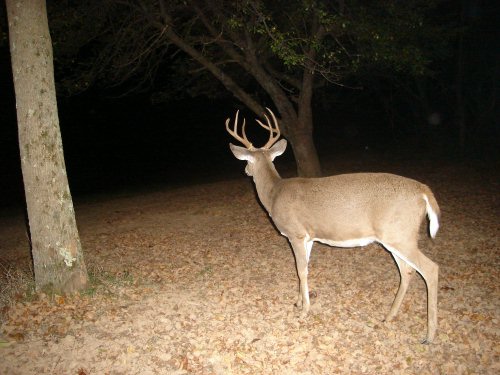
[196,280]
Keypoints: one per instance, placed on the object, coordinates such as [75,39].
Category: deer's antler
[273,128]
[234,132]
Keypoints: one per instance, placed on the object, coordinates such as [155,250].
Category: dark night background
[117,145]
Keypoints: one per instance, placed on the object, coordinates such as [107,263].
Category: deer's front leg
[301,250]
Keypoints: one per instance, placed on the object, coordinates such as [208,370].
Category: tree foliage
[126,42]
[259,51]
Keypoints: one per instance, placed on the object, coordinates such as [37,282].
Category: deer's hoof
[426,341]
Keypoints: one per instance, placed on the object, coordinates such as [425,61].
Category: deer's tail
[433,211]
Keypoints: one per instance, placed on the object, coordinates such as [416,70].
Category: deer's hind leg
[406,272]
[429,270]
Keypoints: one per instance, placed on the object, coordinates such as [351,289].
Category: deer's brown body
[346,210]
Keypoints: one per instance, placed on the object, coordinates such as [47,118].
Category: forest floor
[196,280]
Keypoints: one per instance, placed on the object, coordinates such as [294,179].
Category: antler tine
[272,138]
[234,133]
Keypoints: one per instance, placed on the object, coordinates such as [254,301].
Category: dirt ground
[196,280]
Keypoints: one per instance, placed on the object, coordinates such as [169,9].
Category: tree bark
[306,156]
[57,253]
[301,139]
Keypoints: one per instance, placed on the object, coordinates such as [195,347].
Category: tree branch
[226,80]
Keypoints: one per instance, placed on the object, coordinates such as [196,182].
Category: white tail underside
[433,219]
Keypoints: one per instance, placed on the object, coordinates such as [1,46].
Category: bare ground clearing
[196,280]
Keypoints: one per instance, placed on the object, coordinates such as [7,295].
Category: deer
[346,210]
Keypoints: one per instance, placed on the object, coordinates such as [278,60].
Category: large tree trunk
[57,254]
[305,154]
[299,132]
[302,140]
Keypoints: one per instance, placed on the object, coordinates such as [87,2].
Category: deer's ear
[241,153]
[278,148]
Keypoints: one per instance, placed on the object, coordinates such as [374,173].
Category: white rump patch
[433,219]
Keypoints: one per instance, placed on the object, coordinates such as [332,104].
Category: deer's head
[256,157]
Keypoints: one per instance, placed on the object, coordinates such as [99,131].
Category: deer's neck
[266,181]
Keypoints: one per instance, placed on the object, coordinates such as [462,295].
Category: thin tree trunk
[57,254]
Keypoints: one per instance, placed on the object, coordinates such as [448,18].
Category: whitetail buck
[347,210]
